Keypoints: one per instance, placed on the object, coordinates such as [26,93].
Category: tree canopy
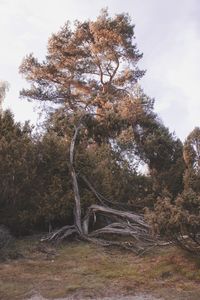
[88,67]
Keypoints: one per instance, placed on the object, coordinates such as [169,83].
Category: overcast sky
[167,32]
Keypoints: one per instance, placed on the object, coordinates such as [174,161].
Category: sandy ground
[136,297]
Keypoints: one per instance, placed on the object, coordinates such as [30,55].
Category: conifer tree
[91,72]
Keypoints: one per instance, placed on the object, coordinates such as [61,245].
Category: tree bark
[77,200]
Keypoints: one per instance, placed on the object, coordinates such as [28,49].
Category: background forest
[90,84]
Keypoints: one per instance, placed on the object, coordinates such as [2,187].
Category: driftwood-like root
[61,234]
[129,225]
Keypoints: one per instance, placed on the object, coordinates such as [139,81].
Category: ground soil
[137,297]
[83,271]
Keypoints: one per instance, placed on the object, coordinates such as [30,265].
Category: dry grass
[86,270]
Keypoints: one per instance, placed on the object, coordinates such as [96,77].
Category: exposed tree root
[188,242]
[129,225]
[61,234]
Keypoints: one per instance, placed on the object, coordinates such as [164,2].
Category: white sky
[167,32]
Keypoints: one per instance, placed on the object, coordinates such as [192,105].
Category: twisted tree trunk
[77,199]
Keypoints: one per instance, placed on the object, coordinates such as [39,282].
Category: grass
[89,271]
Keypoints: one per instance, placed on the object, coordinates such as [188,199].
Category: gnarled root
[130,229]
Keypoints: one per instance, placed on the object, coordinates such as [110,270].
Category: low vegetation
[85,270]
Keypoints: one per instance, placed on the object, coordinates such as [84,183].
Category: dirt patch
[136,297]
